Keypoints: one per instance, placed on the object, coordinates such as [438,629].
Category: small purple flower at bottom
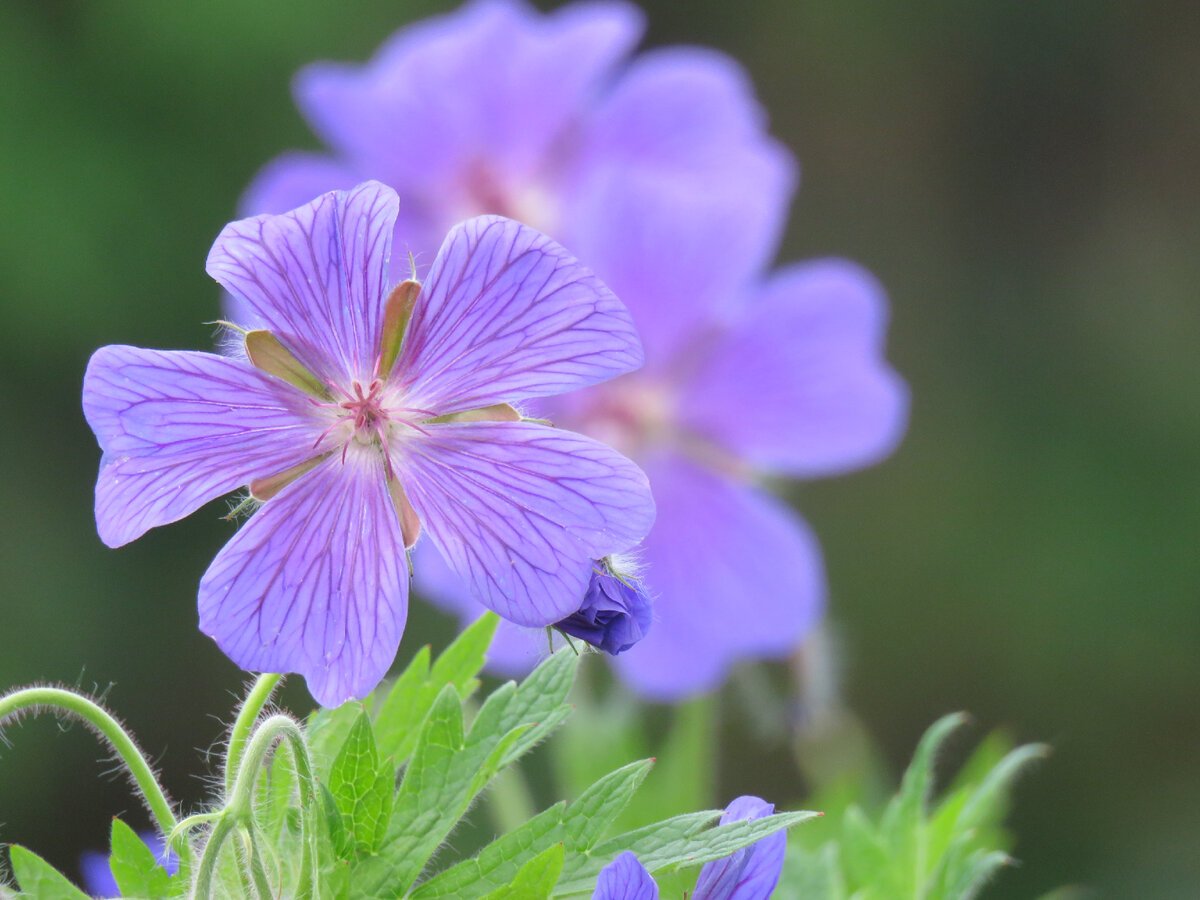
[749,874]
[625,878]
[98,878]
[615,613]
[361,418]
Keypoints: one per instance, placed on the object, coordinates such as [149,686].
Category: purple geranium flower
[359,417]
[748,874]
[660,173]
[615,614]
[98,878]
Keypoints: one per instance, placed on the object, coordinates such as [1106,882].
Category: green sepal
[269,355]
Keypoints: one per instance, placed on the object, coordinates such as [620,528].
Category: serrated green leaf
[497,863]
[362,789]
[598,807]
[404,709]
[134,866]
[401,714]
[339,840]
[326,733]
[39,879]
[447,769]
[536,879]
[863,851]
[907,808]
[988,802]
[461,661]
[687,840]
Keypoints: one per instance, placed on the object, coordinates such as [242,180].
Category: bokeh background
[1025,179]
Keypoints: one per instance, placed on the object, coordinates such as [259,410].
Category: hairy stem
[60,700]
[259,694]
[239,802]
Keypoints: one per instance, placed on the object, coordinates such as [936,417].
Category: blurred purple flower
[748,874]
[359,418]
[98,878]
[658,172]
[615,613]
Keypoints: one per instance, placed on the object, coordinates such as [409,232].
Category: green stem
[239,803]
[259,694]
[38,698]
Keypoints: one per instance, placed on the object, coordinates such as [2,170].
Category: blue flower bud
[615,613]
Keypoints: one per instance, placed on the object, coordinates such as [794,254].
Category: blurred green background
[1025,178]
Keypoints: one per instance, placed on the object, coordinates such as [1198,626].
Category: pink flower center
[366,417]
[367,410]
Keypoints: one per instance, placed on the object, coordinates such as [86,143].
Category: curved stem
[239,802]
[64,701]
[259,694]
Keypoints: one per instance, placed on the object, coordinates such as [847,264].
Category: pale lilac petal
[316,583]
[520,510]
[316,276]
[677,256]
[179,429]
[514,650]
[685,109]
[507,315]
[293,179]
[625,878]
[489,87]
[734,573]
[752,872]
[800,385]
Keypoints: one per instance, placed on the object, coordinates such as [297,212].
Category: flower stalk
[67,702]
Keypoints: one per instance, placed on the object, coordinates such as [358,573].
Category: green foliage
[918,846]
[357,802]
[134,867]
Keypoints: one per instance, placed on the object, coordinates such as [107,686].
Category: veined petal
[316,583]
[625,878]
[520,510]
[316,276]
[752,872]
[179,429]
[800,384]
[507,315]
[735,575]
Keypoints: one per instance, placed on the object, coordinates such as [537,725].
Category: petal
[800,384]
[520,510]
[179,429]
[294,178]
[507,315]
[680,195]
[752,872]
[675,252]
[625,878]
[685,109]
[316,276]
[316,583]
[734,573]
[514,650]
[517,79]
